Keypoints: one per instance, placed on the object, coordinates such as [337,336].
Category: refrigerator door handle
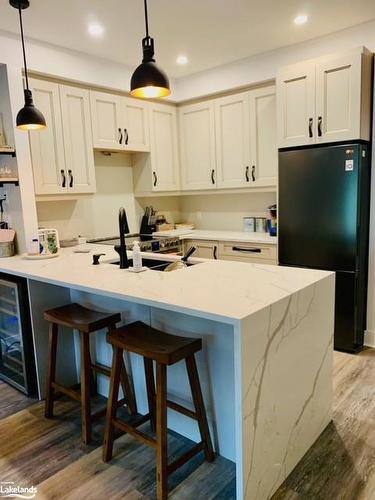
[311,122]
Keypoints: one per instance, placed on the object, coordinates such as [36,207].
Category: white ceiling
[209,32]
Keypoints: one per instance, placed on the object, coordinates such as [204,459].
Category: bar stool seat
[86,321]
[165,350]
[81,318]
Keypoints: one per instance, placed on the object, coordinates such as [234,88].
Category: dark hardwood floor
[49,454]
[12,401]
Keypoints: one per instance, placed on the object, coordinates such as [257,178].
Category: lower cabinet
[248,252]
[262,253]
[205,249]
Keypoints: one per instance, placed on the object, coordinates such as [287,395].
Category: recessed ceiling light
[301,19]
[182,60]
[96,30]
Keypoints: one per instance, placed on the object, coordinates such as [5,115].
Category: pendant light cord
[23,45]
[146,19]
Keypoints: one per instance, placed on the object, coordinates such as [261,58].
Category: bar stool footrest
[181,409]
[129,429]
[176,464]
[67,391]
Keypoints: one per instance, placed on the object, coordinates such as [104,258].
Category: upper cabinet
[263,137]
[62,154]
[230,142]
[159,170]
[119,123]
[233,148]
[325,100]
[197,143]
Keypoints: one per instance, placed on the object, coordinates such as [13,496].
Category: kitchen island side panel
[287,368]
[216,367]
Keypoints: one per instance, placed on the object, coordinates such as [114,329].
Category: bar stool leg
[127,389]
[51,374]
[85,387]
[161,433]
[112,404]
[150,386]
[196,391]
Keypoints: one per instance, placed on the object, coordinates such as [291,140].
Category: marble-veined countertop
[214,289]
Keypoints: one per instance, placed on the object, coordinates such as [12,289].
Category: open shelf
[7,151]
[9,180]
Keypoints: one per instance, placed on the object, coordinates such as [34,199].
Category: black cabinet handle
[155,178]
[247,174]
[63,183]
[320,119]
[311,122]
[250,250]
[215,252]
[120,136]
[126,135]
[213,176]
[253,173]
[71,178]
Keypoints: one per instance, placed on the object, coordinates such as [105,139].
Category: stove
[158,245]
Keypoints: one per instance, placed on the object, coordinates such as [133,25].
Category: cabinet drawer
[248,252]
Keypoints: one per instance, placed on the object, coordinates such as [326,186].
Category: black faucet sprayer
[124,229]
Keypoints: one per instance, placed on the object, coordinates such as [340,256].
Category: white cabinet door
[296,105]
[107,121]
[205,249]
[263,137]
[135,125]
[197,142]
[232,141]
[338,98]
[47,147]
[79,154]
[164,148]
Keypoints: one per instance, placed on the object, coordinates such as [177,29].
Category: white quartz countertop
[203,234]
[220,290]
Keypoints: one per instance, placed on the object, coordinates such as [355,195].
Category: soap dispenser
[137,258]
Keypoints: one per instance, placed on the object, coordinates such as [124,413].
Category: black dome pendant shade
[148,80]
[29,117]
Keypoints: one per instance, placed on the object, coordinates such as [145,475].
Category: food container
[249,224]
[7,249]
[261,224]
[7,246]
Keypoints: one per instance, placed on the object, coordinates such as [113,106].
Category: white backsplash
[224,211]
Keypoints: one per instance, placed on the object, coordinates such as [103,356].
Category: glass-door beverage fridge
[17,363]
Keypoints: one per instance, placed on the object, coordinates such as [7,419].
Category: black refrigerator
[324,200]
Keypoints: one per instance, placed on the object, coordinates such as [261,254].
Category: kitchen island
[266,363]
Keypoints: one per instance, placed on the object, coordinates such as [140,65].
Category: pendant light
[148,80]
[29,117]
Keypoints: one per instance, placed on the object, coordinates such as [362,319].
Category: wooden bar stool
[85,321]
[165,350]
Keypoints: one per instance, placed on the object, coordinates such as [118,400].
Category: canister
[249,224]
[261,224]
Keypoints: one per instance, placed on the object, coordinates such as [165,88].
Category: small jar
[249,224]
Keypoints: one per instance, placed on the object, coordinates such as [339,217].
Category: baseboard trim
[369,340]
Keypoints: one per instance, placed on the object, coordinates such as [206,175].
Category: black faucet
[124,229]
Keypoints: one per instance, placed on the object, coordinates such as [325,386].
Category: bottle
[137,258]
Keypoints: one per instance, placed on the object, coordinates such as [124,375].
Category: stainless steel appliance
[17,364]
[159,245]
[324,198]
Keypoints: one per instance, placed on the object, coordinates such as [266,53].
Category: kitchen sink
[154,264]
